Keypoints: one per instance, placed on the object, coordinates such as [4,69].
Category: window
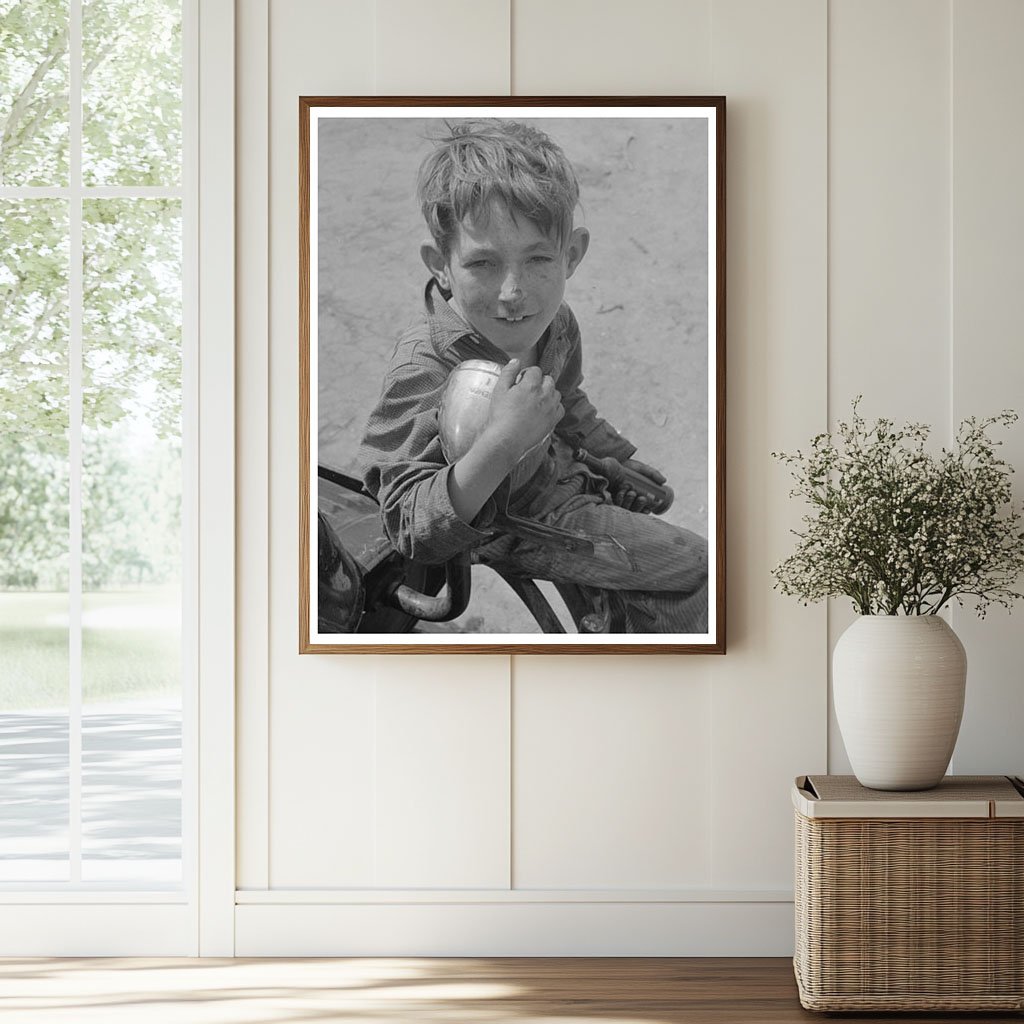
[95,456]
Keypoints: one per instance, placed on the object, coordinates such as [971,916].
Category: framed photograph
[512,375]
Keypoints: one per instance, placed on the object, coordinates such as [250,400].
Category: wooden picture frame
[649,302]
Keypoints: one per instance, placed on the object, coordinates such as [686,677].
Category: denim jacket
[400,455]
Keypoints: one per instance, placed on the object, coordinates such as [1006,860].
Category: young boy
[499,198]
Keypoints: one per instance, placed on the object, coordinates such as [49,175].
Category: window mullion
[190,445]
[75,334]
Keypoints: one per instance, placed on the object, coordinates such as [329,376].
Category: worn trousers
[659,570]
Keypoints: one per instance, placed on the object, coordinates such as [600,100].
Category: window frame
[75,918]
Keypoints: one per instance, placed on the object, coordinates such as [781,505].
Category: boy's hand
[522,413]
[524,409]
[632,500]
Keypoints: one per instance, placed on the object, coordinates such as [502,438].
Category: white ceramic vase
[898,684]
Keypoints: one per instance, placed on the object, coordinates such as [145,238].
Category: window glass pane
[131,541]
[131,782]
[33,540]
[131,92]
[34,804]
[33,92]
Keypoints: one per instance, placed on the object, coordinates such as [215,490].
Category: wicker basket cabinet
[910,901]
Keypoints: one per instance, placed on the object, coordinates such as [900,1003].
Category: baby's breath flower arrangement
[900,530]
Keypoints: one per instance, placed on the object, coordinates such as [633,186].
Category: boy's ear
[434,261]
[579,242]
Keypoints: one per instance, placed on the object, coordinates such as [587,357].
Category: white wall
[626,805]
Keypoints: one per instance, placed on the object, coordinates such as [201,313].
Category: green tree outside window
[131,313]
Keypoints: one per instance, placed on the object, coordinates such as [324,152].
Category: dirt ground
[640,294]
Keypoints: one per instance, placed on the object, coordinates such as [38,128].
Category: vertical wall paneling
[889,201]
[321,708]
[871,248]
[769,692]
[611,756]
[611,776]
[442,48]
[252,184]
[888,224]
[442,774]
[606,48]
[987,368]
[323,761]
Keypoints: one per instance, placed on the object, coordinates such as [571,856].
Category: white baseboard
[99,928]
[514,928]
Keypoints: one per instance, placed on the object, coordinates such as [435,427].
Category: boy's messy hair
[481,160]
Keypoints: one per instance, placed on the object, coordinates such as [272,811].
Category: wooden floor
[381,991]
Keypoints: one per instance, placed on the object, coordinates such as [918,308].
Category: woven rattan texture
[914,914]
[959,787]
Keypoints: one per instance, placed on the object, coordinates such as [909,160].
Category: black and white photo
[512,375]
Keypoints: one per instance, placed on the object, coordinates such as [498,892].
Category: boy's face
[506,276]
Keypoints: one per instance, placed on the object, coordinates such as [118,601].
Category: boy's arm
[581,426]
[522,413]
[405,470]
[432,511]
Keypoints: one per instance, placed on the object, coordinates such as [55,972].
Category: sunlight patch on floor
[223,991]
